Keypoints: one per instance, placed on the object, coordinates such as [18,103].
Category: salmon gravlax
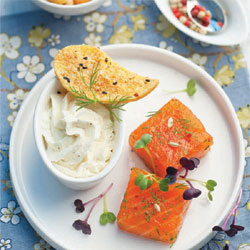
[176,132]
[152,213]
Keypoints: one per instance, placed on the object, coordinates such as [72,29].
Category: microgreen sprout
[106,216]
[153,113]
[233,230]
[82,100]
[189,164]
[80,207]
[191,193]
[171,174]
[146,181]
[190,89]
[143,143]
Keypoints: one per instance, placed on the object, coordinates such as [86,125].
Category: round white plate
[235,32]
[48,205]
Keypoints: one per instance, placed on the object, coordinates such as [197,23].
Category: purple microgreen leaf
[79,206]
[196,193]
[78,224]
[233,211]
[231,232]
[191,193]
[171,171]
[226,247]
[187,164]
[196,161]
[82,225]
[237,227]
[171,174]
[217,228]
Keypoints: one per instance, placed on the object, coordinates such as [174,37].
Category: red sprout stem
[84,204]
[96,201]
[185,175]
[190,184]
[233,211]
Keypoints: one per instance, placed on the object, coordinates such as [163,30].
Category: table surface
[30,47]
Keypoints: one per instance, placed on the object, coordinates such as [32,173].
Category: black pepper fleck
[84,67]
[85,58]
[80,64]
[114,83]
[147,80]
[104,92]
[58,92]
[67,79]
[106,59]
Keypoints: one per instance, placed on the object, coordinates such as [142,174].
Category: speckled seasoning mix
[203,16]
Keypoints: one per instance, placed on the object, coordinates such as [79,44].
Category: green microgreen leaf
[104,219]
[111,217]
[143,183]
[149,183]
[191,88]
[163,184]
[212,183]
[138,179]
[143,141]
[210,188]
[210,197]
[106,216]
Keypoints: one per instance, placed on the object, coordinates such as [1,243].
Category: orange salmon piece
[176,133]
[152,213]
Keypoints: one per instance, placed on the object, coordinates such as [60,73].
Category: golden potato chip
[75,64]
[58,1]
[80,1]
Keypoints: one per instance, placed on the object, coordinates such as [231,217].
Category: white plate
[48,205]
[235,32]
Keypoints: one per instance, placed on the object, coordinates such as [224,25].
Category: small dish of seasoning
[198,21]
[69,7]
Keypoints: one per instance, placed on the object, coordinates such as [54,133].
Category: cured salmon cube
[152,213]
[176,133]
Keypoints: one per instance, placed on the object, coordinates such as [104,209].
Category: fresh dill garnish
[153,113]
[116,104]
[82,100]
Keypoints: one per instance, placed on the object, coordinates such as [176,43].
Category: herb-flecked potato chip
[75,64]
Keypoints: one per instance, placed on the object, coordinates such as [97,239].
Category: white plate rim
[108,48]
[204,38]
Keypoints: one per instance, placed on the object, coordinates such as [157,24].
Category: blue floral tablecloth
[28,43]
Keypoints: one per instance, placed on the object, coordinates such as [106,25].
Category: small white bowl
[74,183]
[69,10]
[235,31]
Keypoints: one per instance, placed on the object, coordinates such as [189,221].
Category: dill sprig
[82,100]
[116,104]
[153,113]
